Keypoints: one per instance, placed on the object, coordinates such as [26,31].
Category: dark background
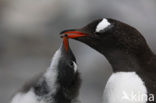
[29,36]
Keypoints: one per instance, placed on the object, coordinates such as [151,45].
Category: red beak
[71,34]
[75,34]
[66,43]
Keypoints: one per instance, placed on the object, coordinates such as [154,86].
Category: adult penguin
[134,64]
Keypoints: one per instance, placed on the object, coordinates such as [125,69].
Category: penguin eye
[71,64]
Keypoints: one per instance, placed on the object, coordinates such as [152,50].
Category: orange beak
[75,34]
[66,43]
[71,34]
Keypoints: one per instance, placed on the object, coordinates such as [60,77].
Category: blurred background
[29,36]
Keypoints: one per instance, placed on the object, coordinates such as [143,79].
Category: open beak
[73,33]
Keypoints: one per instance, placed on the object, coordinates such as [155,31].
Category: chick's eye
[71,64]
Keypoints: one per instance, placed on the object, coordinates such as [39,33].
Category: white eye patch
[102,25]
[75,66]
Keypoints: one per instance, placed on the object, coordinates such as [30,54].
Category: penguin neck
[125,61]
[68,93]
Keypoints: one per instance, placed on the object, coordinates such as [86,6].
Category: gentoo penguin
[59,84]
[134,64]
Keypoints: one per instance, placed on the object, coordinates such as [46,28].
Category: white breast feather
[123,86]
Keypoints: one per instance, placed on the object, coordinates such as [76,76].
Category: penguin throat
[122,61]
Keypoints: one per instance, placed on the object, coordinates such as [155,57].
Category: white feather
[102,25]
[122,87]
[75,66]
[50,76]
[28,97]
[51,73]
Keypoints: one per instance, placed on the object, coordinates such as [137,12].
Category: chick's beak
[66,50]
[66,43]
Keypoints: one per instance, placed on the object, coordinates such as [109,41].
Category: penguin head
[107,34]
[67,67]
